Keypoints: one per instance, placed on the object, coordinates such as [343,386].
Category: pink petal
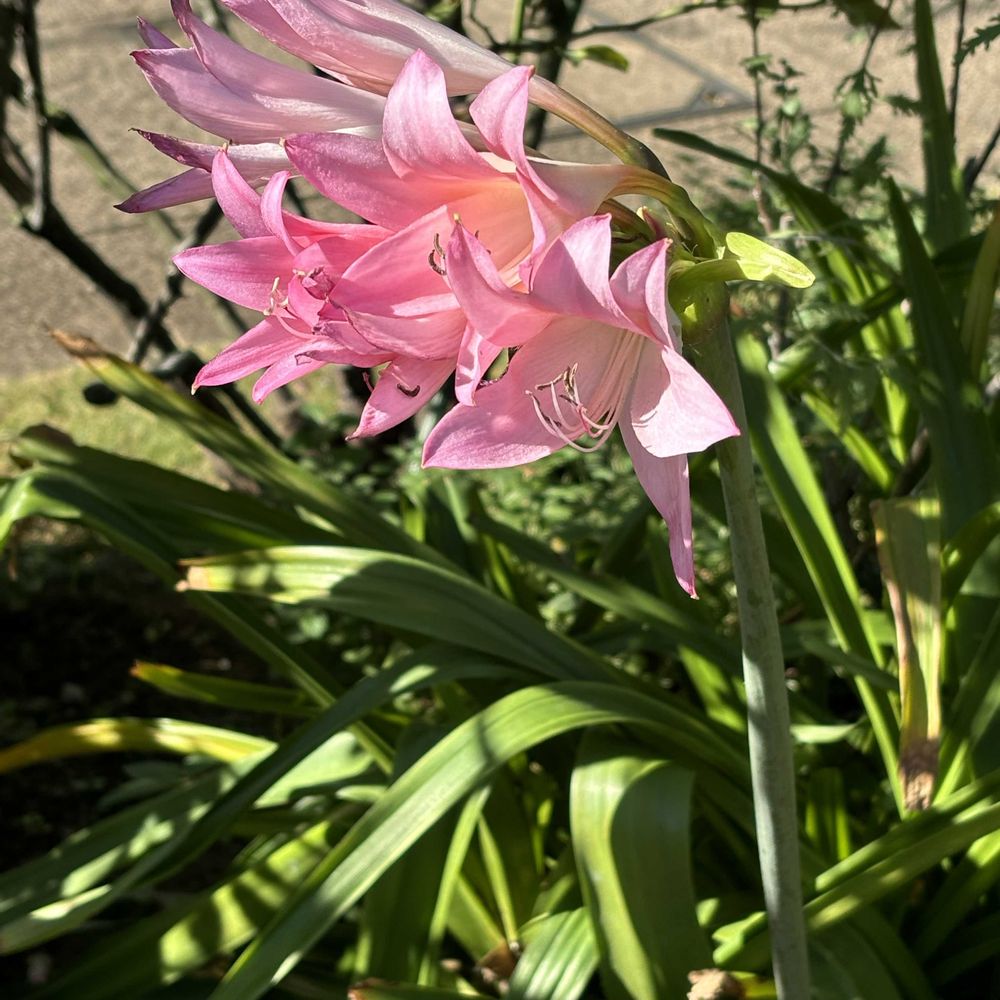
[192,185]
[258,348]
[673,410]
[238,200]
[572,278]
[273,86]
[271,213]
[307,43]
[367,41]
[282,372]
[558,194]
[152,36]
[242,271]
[397,300]
[402,389]
[341,337]
[246,98]
[495,312]
[475,355]
[254,162]
[353,171]
[639,286]
[419,133]
[665,481]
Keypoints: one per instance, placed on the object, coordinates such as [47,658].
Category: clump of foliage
[511,757]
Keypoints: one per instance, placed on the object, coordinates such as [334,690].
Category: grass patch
[56,398]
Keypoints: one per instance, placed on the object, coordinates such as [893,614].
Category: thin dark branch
[14,176]
[763,215]
[495,45]
[41,202]
[956,68]
[678,11]
[758,90]
[562,18]
[975,167]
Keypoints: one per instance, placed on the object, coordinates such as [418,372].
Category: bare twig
[763,214]
[678,11]
[495,45]
[10,83]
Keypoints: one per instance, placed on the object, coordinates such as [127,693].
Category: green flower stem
[571,109]
[771,763]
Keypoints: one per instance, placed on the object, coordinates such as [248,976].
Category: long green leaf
[456,766]
[619,596]
[981,296]
[878,869]
[855,272]
[224,691]
[186,936]
[908,538]
[65,495]
[630,822]
[966,885]
[313,739]
[963,456]
[90,855]
[339,761]
[402,593]
[793,483]
[352,518]
[386,991]
[973,722]
[124,735]
[195,515]
[558,961]
[947,211]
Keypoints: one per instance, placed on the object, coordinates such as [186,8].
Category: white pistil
[273,302]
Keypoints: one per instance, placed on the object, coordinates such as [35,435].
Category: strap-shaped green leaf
[352,518]
[456,766]
[224,691]
[558,961]
[630,818]
[964,457]
[402,593]
[791,479]
[123,735]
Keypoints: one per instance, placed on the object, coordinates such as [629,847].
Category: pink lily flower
[391,301]
[253,102]
[598,353]
[283,267]
[366,42]
[241,97]
[418,178]
[287,267]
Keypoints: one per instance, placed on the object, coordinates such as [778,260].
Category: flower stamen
[436,254]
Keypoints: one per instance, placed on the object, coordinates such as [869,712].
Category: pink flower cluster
[471,247]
